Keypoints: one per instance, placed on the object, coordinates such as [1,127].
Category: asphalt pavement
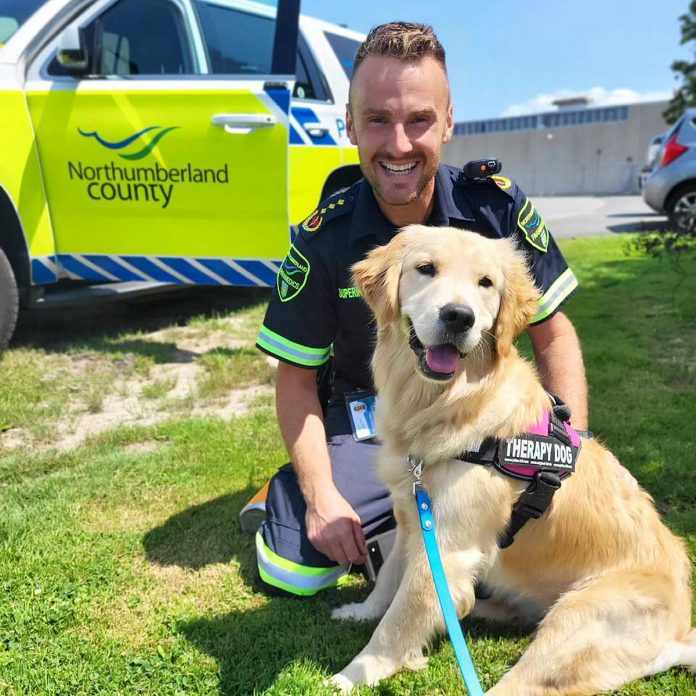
[575,216]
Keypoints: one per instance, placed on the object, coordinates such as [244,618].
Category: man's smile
[398,169]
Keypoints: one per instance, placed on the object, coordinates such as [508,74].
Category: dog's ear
[519,300]
[377,278]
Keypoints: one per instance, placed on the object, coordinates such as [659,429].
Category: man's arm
[333,527]
[559,361]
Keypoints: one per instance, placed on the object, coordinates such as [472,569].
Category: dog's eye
[485,282]
[426,269]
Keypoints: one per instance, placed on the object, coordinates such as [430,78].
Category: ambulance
[150,142]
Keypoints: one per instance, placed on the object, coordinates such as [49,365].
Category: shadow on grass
[254,646]
[258,648]
[205,534]
[99,325]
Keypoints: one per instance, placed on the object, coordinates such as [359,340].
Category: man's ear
[377,277]
[518,302]
[350,127]
[449,124]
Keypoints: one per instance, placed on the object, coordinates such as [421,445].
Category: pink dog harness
[544,455]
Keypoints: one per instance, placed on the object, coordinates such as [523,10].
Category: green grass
[122,569]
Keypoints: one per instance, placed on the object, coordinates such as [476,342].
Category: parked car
[650,158]
[671,186]
[149,142]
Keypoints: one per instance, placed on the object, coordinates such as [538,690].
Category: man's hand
[334,528]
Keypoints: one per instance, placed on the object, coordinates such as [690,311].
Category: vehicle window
[137,37]
[303,85]
[140,37]
[345,50]
[237,42]
[310,82]
[13,13]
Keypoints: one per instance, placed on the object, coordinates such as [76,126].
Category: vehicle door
[167,159]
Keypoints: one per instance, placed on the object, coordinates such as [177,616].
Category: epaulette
[508,186]
[529,221]
[333,207]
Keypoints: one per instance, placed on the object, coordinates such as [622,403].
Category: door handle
[244,123]
[315,130]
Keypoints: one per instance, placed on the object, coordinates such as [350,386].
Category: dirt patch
[168,386]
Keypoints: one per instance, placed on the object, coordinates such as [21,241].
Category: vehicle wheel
[682,210]
[9,301]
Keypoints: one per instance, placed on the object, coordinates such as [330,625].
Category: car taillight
[672,150]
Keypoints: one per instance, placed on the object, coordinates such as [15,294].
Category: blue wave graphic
[121,143]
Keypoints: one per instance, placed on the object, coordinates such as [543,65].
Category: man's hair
[404,41]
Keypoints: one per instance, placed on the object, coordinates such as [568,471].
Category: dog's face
[454,293]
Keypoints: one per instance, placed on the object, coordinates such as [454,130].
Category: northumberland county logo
[292,275]
[140,151]
[135,181]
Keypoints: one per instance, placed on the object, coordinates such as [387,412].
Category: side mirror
[72,52]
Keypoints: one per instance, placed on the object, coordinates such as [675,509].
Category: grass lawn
[122,568]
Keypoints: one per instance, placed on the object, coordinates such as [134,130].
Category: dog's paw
[339,683]
[416,662]
[355,611]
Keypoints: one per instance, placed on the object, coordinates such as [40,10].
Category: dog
[607,583]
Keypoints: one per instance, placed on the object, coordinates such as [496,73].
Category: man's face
[399,117]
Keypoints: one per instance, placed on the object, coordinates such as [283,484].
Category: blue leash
[461,650]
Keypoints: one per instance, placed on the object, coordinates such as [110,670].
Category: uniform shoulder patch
[292,275]
[502,182]
[532,224]
[327,210]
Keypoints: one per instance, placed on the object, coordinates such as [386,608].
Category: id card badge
[361,413]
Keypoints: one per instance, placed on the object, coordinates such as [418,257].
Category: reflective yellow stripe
[294,577]
[281,347]
[565,284]
[290,565]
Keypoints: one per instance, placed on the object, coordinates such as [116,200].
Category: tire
[681,210]
[9,301]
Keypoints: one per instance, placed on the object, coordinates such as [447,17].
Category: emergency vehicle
[162,141]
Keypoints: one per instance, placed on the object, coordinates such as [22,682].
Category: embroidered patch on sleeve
[292,275]
[313,222]
[502,182]
[533,226]
[316,219]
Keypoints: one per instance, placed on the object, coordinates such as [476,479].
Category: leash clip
[415,466]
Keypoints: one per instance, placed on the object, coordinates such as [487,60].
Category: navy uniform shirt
[315,310]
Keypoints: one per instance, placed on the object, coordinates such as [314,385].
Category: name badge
[361,413]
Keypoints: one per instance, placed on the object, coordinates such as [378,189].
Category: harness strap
[544,482]
[532,504]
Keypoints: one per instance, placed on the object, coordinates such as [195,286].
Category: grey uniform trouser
[286,559]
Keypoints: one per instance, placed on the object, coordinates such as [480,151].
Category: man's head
[399,116]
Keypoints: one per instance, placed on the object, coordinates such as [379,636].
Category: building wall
[588,158]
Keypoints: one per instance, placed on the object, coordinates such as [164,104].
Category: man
[320,509]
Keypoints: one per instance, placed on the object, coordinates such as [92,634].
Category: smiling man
[322,506]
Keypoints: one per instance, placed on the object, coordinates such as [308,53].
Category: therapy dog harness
[544,455]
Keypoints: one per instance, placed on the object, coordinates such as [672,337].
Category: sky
[510,57]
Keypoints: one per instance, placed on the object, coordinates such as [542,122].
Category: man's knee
[278,575]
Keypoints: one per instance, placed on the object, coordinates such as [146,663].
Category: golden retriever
[608,582]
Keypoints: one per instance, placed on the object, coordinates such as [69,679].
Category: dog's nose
[457,317]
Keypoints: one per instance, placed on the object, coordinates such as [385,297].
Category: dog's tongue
[443,358]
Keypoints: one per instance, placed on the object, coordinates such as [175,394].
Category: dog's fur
[609,583]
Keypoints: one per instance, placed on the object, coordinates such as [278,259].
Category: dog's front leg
[386,585]
[411,621]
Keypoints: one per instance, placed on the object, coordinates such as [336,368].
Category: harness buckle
[536,499]
[532,504]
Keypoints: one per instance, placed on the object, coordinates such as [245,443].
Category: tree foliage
[684,70]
